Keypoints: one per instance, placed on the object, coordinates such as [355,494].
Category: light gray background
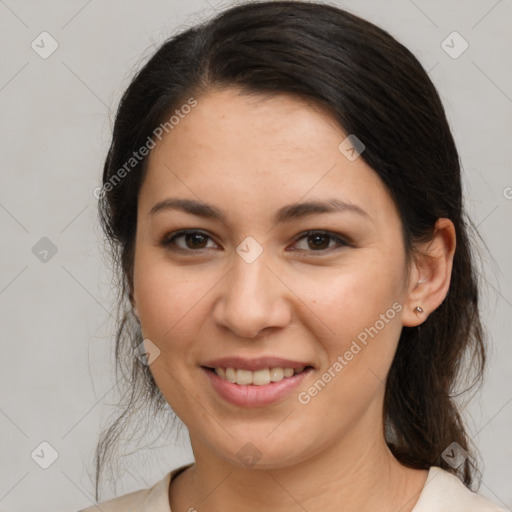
[56,365]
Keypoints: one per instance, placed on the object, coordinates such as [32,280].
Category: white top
[443,492]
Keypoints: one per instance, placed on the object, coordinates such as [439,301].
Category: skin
[249,156]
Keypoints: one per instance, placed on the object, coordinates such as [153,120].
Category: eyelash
[168,240]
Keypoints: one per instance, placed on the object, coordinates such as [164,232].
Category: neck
[359,473]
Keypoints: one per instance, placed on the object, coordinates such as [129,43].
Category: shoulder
[152,499]
[131,502]
[444,492]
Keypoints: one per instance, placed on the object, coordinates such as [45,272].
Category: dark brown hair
[374,88]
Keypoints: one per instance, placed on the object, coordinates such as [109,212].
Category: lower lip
[255,396]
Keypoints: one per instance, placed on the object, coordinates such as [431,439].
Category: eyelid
[341,240]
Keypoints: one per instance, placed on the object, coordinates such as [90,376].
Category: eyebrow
[285,214]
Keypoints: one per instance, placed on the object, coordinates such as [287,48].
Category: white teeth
[258,378]
[230,374]
[243,377]
[288,372]
[276,374]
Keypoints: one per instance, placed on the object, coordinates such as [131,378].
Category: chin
[260,452]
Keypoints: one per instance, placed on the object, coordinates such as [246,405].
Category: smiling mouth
[256,378]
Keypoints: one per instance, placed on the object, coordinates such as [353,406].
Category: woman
[283,199]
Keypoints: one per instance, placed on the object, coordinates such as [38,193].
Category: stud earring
[418,309]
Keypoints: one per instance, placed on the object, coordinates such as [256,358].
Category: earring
[418,309]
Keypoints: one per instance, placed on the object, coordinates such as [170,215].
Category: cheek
[355,313]
[349,298]
[169,299]
[360,318]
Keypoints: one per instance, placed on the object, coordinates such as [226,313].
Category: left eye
[320,240]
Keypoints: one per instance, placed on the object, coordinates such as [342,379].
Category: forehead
[233,126]
[250,150]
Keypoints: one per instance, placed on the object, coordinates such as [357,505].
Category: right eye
[194,240]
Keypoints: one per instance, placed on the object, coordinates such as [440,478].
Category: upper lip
[259,363]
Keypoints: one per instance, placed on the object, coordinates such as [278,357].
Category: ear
[431,273]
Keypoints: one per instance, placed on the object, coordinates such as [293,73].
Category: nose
[252,299]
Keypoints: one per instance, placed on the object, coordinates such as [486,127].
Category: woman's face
[251,285]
